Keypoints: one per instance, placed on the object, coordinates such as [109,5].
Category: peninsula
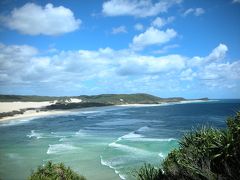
[17,106]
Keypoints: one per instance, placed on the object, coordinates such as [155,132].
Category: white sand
[31,114]
[75,100]
[12,106]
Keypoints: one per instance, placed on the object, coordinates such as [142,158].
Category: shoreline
[37,114]
[31,114]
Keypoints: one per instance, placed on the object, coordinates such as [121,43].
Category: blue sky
[167,48]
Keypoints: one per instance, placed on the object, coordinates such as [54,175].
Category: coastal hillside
[123,99]
[113,99]
[12,105]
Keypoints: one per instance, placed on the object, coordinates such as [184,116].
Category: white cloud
[221,75]
[138,27]
[194,11]
[106,70]
[188,75]
[218,53]
[137,8]
[23,64]
[160,22]
[141,65]
[120,29]
[33,19]
[152,36]
[213,71]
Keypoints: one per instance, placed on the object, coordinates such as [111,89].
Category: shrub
[55,172]
[206,153]
[148,172]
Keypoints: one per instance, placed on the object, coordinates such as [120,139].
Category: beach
[6,107]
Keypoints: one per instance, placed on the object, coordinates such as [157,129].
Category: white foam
[153,139]
[62,139]
[34,134]
[161,155]
[57,135]
[16,122]
[133,136]
[128,149]
[89,112]
[144,129]
[121,176]
[81,132]
[130,135]
[108,164]
[60,148]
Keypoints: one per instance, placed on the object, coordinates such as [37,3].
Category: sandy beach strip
[6,107]
[16,106]
[32,114]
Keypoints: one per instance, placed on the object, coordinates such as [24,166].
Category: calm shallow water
[104,143]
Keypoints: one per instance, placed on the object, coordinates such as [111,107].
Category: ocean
[105,143]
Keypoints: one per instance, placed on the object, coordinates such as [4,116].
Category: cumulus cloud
[160,22]
[151,65]
[194,11]
[33,19]
[152,36]
[188,74]
[120,29]
[113,70]
[217,54]
[137,8]
[138,27]
[23,64]
[213,71]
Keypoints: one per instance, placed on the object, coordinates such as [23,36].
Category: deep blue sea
[104,143]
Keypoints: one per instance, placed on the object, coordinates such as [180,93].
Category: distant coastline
[13,107]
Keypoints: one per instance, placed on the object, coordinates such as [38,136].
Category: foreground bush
[207,153]
[149,172]
[55,172]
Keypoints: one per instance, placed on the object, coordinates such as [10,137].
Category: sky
[168,48]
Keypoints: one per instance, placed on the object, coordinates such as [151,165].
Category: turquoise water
[104,143]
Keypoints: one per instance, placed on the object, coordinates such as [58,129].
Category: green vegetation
[139,98]
[207,153]
[12,98]
[55,172]
[64,106]
[149,172]
[123,98]
[64,103]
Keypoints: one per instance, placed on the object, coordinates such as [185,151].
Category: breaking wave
[60,148]
[34,134]
[109,164]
